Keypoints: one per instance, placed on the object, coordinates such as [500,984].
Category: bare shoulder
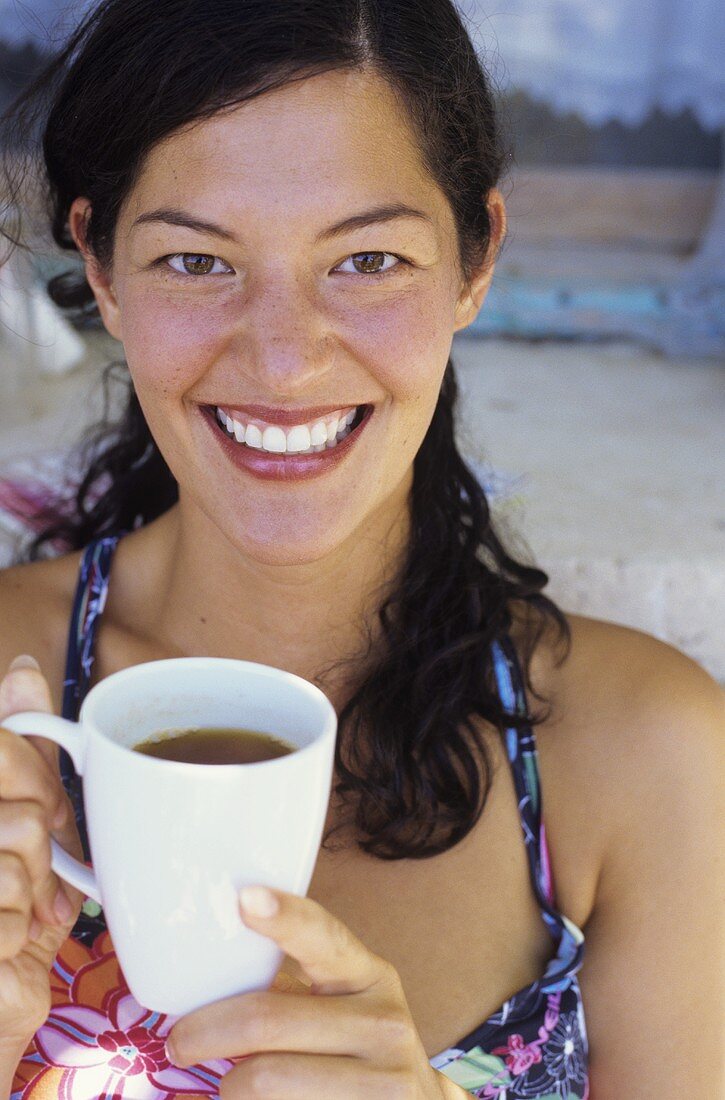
[632,692]
[35,605]
[636,729]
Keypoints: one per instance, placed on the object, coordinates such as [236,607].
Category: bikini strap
[523,758]
[88,605]
[524,761]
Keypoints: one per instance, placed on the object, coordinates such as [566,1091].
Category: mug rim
[108,683]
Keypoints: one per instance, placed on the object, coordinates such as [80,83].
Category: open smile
[287,454]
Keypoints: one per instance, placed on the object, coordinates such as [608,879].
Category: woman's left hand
[349,1035]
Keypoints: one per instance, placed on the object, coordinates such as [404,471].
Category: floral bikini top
[98,1043]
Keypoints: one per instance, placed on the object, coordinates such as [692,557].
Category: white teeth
[318,434]
[253,436]
[302,439]
[332,429]
[299,439]
[274,439]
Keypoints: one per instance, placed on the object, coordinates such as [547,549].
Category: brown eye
[372,263]
[196,264]
[369,263]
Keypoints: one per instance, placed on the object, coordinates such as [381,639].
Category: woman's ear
[98,279]
[474,293]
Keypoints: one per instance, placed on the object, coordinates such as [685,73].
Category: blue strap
[523,757]
[88,605]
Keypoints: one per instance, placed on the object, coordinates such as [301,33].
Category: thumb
[24,688]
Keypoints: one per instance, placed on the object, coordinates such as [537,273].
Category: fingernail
[62,906]
[258,901]
[24,661]
[169,1051]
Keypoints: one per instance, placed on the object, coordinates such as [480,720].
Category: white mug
[173,843]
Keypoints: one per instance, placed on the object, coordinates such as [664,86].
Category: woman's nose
[288,342]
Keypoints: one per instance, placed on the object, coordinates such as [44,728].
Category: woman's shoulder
[632,730]
[36,599]
[615,678]
[626,687]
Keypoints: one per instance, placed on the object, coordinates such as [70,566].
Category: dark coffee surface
[214,746]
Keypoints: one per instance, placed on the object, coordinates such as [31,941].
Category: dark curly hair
[413,766]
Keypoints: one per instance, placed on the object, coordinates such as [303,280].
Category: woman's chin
[285,548]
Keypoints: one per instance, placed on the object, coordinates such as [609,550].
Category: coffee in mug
[213,745]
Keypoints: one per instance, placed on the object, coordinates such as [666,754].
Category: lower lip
[271,467]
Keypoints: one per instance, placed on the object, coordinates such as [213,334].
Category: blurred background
[593,388]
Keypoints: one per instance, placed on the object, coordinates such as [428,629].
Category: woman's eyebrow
[173,216]
[376,214]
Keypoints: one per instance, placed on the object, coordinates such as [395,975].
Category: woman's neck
[206,597]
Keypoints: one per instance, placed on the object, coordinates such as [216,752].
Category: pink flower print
[519,1056]
[98,1041]
[106,1054]
[137,1050]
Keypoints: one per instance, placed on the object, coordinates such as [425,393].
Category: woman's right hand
[37,910]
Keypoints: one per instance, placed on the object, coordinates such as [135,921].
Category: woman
[285,212]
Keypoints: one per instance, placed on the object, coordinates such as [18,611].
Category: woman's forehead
[332,137]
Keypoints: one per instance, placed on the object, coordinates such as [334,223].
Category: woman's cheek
[404,344]
[169,344]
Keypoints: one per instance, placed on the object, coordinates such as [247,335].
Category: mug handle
[71,737]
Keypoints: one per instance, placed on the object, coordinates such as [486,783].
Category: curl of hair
[412,762]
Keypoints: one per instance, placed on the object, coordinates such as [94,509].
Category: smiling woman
[286,209]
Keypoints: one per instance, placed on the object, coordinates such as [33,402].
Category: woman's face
[273,302]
